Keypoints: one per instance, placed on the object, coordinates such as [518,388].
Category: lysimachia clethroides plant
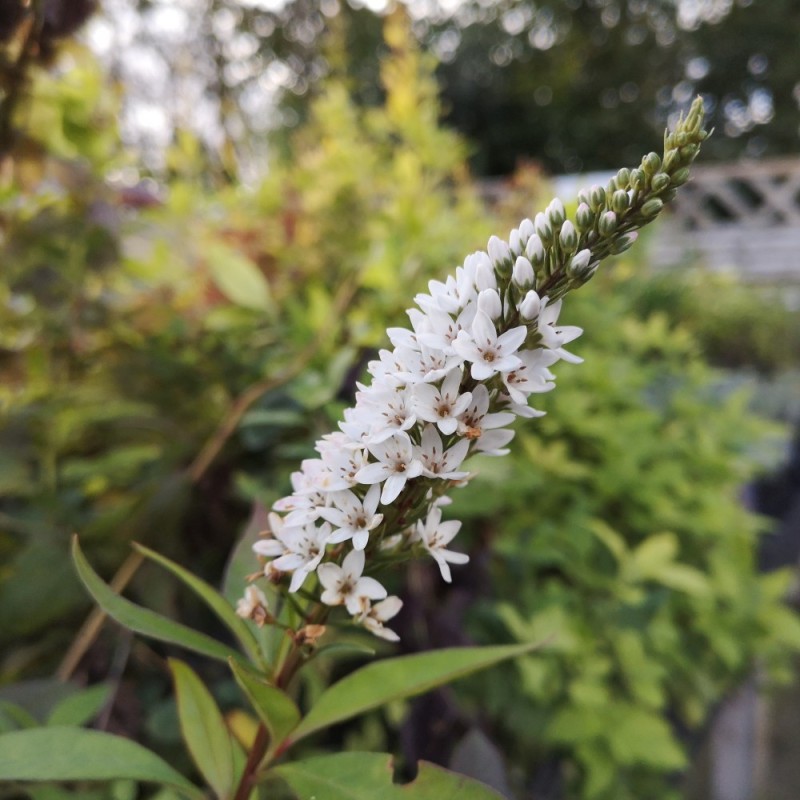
[482,342]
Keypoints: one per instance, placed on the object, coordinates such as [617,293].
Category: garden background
[210,213]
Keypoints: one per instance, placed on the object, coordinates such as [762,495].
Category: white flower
[476,417]
[435,535]
[345,585]
[304,548]
[442,405]
[374,617]
[531,375]
[554,337]
[395,466]
[488,352]
[353,518]
[438,462]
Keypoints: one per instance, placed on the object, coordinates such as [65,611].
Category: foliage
[617,529]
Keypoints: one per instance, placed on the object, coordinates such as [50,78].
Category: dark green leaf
[275,708]
[366,776]
[215,601]
[143,620]
[396,678]
[74,754]
[204,729]
[81,707]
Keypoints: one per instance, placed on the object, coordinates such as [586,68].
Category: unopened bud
[598,197]
[535,250]
[624,242]
[619,201]
[579,263]
[543,228]
[607,223]
[514,242]
[652,207]
[523,273]
[671,160]
[556,213]
[526,230]
[499,252]
[568,237]
[584,196]
[638,179]
[651,163]
[624,178]
[530,306]
[489,303]
[660,182]
[679,177]
[584,219]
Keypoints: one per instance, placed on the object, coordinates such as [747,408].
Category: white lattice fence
[739,217]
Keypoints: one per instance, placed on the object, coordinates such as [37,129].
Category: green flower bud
[672,160]
[543,228]
[638,179]
[680,177]
[607,223]
[689,151]
[623,178]
[556,213]
[660,182]
[568,237]
[651,163]
[584,218]
[619,201]
[598,198]
[651,207]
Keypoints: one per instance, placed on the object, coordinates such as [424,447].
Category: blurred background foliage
[176,332]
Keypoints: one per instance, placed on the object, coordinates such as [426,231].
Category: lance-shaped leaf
[213,599]
[61,753]
[203,729]
[275,708]
[365,776]
[81,707]
[143,620]
[396,678]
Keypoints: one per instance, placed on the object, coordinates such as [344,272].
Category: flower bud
[584,218]
[607,223]
[535,250]
[671,160]
[543,228]
[660,182]
[679,177]
[514,242]
[526,230]
[598,197]
[530,306]
[584,196]
[651,207]
[523,273]
[489,303]
[556,213]
[624,242]
[623,178]
[499,252]
[638,179]
[579,263]
[485,277]
[619,201]
[568,237]
[651,163]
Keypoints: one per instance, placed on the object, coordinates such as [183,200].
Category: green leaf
[81,707]
[365,776]
[397,678]
[143,620]
[275,708]
[654,553]
[61,753]
[204,729]
[238,278]
[213,599]
[13,717]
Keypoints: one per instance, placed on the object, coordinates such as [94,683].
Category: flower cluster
[480,344]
